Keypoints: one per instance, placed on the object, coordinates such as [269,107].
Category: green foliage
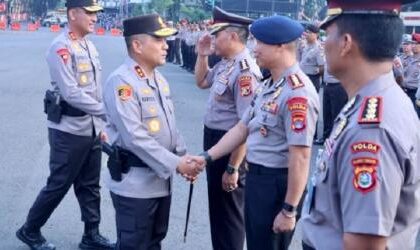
[159,6]
[194,13]
[312,7]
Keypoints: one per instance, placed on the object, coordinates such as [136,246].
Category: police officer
[141,123]
[74,124]
[312,58]
[278,129]
[364,193]
[334,99]
[232,83]
[412,79]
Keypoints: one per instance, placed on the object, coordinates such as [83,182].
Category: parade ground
[24,149]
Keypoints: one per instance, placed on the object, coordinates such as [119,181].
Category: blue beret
[276,30]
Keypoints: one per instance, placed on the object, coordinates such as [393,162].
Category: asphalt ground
[24,149]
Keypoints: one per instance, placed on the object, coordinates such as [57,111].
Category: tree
[194,14]
[312,7]
[40,7]
[160,6]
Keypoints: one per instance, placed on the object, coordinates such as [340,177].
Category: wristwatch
[289,208]
[230,169]
[207,157]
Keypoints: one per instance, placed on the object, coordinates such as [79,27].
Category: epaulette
[295,81]
[72,36]
[244,65]
[371,110]
[139,71]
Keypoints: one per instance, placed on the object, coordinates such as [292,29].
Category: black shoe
[319,141]
[34,240]
[95,241]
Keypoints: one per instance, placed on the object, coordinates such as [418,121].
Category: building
[259,8]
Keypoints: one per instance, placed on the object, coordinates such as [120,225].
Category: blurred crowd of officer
[260,125]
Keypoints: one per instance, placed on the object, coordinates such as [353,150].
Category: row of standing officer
[365,188]
[409,63]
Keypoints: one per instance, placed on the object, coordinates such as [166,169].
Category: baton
[188,211]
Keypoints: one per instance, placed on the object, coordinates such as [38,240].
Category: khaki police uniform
[75,157]
[142,120]
[412,77]
[367,179]
[312,58]
[283,114]
[233,83]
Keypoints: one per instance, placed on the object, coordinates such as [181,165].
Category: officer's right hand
[189,167]
[204,45]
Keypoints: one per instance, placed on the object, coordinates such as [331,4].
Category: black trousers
[141,223]
[412,95]
[184,53]
[264,196]
[177,51]
[226,209]
[74,160]
[335,97]
[171,50]
[316,80]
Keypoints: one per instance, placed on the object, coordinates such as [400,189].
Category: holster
[120,161]
[55,107]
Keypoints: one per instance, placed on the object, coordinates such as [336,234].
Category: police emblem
[365,179]
[298,107]
[64,54]
[124,92]
[245,85]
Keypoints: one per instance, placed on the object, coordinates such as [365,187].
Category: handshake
[191,166]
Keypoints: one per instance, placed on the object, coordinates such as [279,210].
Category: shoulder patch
[244,65]
[139,71]
[365,146]
[64,54]
[125,92]
[295,81]
[298,107]
[245,84]
[371,111]
[365,178]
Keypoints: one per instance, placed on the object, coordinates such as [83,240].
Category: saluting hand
[205,45]
[283,224]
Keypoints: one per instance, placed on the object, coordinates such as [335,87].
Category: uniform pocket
[268,120]
[84,73]
[220,88]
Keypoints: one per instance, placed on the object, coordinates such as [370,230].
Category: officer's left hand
[418,103]
[283,223]
[230,181]
[103,136]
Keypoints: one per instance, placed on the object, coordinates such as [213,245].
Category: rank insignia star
[139,71]
[371,111]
